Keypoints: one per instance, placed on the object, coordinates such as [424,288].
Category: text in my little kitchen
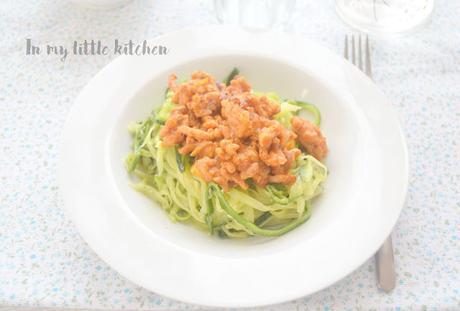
[96,47]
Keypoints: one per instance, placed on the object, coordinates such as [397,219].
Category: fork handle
[385,262]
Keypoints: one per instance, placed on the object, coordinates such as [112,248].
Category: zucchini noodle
[165,177]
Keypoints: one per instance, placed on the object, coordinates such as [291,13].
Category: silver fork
[384,258]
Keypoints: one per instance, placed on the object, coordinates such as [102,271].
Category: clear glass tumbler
[255,15]
[385,16]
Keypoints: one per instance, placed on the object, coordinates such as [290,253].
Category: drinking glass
[255,14]
[385,16]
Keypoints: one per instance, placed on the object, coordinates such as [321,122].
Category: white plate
[363,197]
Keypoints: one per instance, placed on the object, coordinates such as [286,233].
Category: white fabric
[43,260]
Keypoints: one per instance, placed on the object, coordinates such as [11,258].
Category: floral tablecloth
[45,263]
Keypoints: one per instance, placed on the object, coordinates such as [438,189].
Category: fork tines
[363,63]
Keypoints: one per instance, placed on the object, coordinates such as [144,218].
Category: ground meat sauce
[232,135]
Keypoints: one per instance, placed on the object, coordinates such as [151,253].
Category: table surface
[43,260]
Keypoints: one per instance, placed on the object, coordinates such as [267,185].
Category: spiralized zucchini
[165,177]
